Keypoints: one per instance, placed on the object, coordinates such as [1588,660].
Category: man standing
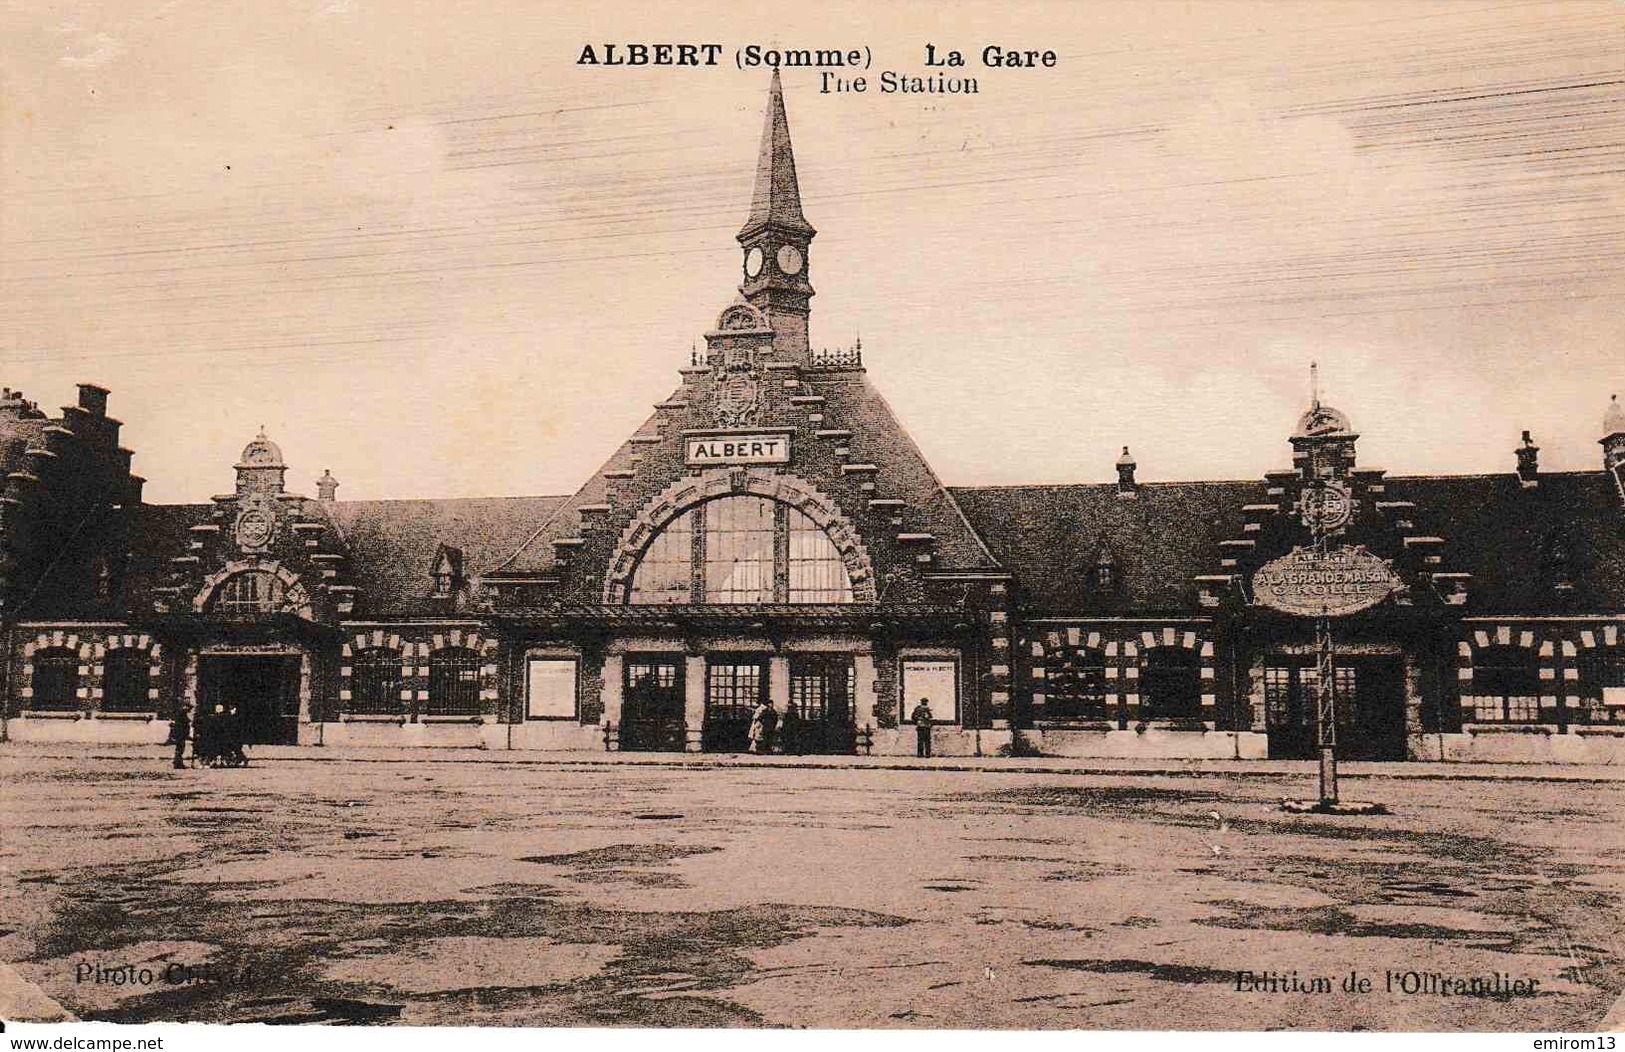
[922,729]
[179,731]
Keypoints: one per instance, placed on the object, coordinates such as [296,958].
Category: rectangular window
[550,689]
[733,688]
[937,681]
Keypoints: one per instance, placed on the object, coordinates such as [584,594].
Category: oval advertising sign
[1335,583]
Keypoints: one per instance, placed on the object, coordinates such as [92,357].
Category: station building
[772,532]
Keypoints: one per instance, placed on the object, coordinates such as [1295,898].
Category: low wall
[1154,743]
[109,730]
[945,741]
[549,735]
[1514,744]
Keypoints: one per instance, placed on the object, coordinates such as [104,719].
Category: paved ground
[496,893]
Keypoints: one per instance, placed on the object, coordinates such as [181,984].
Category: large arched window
[249,592]
[742,549]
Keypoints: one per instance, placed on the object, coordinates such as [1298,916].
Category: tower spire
[777,199]
[776,237]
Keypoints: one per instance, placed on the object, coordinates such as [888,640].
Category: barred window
[1171,684]
[375,683]
[1506,685]
[126,677]
[249,592]
[454,682]
[742,549]
[56,680]
[1075,684]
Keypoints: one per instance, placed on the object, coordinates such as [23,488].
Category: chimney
[1528,462]
[1127,488]
[327,487]
[1613,436]
[93,399]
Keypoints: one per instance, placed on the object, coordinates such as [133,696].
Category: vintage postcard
[972,516]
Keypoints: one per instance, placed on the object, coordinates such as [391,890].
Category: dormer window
[446,573]
[1104,570]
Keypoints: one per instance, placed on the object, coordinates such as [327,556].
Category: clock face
[790,259]
[753,262]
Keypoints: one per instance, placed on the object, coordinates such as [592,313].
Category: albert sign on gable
[757,447]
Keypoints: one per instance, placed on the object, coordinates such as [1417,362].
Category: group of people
[218,741]
[765,726]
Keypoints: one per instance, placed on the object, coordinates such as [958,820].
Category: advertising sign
[1335,583]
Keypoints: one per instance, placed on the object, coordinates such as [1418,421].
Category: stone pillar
[613,680]
[778,683]
[866,691]
[693,699]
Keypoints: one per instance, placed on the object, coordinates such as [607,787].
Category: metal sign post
[1326,710]
[1323,581]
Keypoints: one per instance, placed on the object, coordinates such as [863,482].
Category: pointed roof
[777,200]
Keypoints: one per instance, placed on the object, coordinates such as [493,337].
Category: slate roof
[1050,538]
[391,543]
[1518,544]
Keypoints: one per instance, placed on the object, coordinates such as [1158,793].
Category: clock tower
[776,236]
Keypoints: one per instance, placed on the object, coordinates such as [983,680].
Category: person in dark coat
[208,736]
[180,729]
[233,744]
[921,718]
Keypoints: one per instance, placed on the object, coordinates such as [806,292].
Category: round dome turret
[1321,420]
[261,453]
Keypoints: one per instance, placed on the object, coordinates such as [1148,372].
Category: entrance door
[820,719]
[264,689]
[1379,711]
[733,689]
[652,705]
[1370,707]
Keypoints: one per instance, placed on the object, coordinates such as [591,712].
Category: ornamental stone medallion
[256,525]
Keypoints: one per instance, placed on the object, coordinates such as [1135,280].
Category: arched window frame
[1170,683]
[1602,682]
[1506,684]
[455,680]
[268,594]
[755,551]
[56,680]
[1074,684]
[127,680]
[375,682]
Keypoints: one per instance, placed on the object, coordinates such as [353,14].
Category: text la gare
[994,57]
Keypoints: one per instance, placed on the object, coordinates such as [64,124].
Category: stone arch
[295,599]
[715,483]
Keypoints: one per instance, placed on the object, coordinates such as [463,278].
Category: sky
[430,251]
